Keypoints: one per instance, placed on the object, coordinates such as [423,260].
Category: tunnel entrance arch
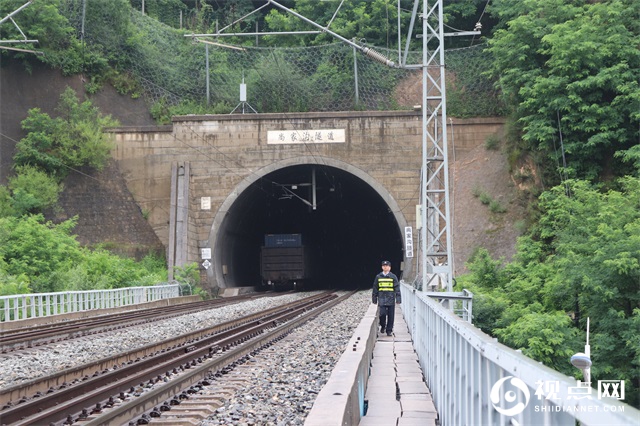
[351,222]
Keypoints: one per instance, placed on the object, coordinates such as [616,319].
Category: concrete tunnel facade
[367,190]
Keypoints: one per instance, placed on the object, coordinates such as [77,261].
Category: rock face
[107,213]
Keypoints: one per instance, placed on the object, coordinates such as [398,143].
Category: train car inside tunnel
[344,223]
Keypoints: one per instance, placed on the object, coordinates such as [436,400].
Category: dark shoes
[389,332]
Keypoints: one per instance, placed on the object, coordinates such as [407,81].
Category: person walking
[386,293]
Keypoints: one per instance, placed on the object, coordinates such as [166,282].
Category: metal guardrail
[461,302]
[24,306]
[475,380]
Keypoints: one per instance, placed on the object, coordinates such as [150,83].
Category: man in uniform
[386,293]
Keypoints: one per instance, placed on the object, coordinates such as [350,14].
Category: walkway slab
[396,392]
[412,387]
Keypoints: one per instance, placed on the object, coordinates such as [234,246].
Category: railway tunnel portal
[212,186]
[347,222]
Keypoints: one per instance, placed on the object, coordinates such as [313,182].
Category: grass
[492,143]
[486,199]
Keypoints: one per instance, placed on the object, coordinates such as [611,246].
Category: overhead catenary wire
[368,51]
[282,74]
[401,209]
[314,152]
[249,172]
[295,126]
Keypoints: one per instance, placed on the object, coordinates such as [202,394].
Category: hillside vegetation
[566,73]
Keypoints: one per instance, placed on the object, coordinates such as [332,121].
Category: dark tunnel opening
[350,231]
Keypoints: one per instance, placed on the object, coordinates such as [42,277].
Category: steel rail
[55,332]
[55,406]
[47,384]
[177,389]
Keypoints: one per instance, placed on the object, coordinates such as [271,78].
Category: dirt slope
[474,225]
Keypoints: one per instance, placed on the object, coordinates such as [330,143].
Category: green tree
[571,72]
[597,250]
[109,32]
[547,337]
[43,20]
[166,11]
[34,248]
[74,139]
[631,156]
[230,12]
[6,202]
[11,284]
[33,190]
[485,280]
[374,21]
[582,260]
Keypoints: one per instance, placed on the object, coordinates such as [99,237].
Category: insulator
[377,56]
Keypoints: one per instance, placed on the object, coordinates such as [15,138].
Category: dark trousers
[387,316]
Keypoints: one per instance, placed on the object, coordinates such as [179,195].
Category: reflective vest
[385,284]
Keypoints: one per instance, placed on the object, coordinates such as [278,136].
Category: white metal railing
[24,306]
[474,380]
[460,301]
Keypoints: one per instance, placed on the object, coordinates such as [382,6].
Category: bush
[492,142]
[188,277]
[496,207]
[33,190]
[74,139]
[34,248]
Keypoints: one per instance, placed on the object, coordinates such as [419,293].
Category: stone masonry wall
[107,213]
[225,151]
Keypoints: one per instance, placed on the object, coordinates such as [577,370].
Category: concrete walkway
[396,392]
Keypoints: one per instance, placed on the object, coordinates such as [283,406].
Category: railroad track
[25,338]
[161,376]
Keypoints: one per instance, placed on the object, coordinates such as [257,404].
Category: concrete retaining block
[341,400]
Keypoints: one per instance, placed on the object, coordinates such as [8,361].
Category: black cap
[386,262]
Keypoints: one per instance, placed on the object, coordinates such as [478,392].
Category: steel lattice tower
[436,247]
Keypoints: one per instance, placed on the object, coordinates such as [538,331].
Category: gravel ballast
[282,383]
[22,366]
[278,385]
